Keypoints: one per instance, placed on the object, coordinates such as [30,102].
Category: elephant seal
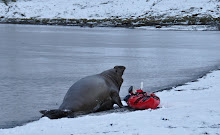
[91,94]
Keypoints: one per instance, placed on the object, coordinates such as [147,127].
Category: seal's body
[91,94]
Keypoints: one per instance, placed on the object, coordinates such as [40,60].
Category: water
[39,63]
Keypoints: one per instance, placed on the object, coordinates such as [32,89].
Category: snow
[189,109]
[101,9]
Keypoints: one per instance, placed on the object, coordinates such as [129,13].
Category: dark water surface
[39,63]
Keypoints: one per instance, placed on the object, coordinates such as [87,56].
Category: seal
[91,94]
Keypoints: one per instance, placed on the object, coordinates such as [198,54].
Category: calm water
[39,63]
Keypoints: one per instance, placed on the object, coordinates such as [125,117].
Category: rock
[158,26]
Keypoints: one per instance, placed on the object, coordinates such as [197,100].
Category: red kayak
[142,100]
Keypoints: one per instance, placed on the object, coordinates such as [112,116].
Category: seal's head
[119,70]
[115,75]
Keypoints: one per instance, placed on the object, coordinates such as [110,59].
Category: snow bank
[189,109]
[101,9]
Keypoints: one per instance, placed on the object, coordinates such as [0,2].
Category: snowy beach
[189,109]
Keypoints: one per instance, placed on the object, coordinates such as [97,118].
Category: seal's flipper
[55,114]
[116,99]
[107,105]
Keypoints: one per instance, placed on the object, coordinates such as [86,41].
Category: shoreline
[193,80]
[212,24]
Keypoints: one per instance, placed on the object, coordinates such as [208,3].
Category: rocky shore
[118,22]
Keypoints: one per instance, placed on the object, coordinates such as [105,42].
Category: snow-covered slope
[191,109]
[100,9]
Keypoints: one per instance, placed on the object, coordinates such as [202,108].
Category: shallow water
[39,63]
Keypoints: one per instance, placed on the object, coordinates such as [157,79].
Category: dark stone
[158,26]
[195,15]
[179,90]
[165,119]
[23,15]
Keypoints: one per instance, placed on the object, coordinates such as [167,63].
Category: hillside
[112,12]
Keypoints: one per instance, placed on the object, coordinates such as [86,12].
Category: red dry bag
[142,100]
